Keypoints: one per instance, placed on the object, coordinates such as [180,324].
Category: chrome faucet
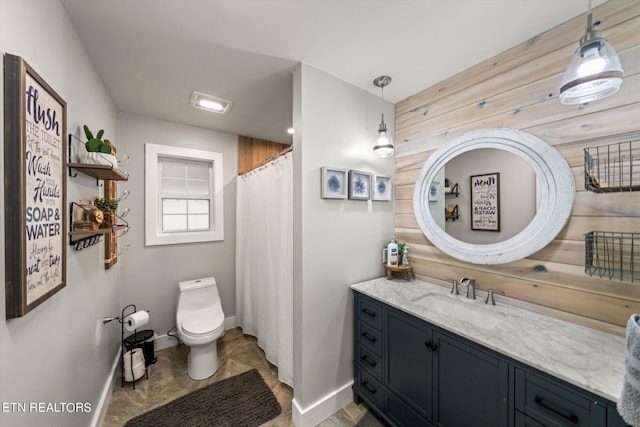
[454,287]
[490,300]
[471,287]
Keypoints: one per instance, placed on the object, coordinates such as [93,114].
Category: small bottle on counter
[392,252]
[405,257]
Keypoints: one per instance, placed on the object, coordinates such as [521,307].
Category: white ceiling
[152,53]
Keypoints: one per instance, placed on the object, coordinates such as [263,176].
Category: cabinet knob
[369,337]
[369,312]
[431,346]
[369,360]
[371,389]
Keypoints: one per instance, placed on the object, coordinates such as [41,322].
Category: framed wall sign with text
[485,202]
[35,163]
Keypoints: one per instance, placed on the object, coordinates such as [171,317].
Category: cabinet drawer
[369,311]
[523,421]
[552,404]
[401,414]
[370,361]
[370,389]
[370,338]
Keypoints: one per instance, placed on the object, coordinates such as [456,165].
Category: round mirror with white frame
[556,193]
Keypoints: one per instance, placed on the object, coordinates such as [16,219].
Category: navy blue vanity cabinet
[367,352]
[471,384]
[551,402]
[413,374]
[613,417]
[429,377]
[409,369]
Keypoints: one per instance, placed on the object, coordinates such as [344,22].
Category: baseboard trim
[100,410]
[230,323]
[323,408]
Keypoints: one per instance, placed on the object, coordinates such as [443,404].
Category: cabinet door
[614,419]
[471,385]
[554,403]
[409,367]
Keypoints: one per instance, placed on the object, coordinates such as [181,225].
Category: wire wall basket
[613,255]
[612,167]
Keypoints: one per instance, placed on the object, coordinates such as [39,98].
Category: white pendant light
[384,142]
[594,71]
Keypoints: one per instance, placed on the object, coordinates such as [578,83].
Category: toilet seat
[202,322]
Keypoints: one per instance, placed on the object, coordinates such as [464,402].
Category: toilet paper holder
[126,312]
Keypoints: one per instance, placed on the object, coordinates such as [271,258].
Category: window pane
[174,206]
[198,187]
[199,206]
[173,169]
[198,172]
[174,222]
[198,222]
[174,186]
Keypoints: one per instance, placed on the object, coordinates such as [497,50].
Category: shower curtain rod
[267,160]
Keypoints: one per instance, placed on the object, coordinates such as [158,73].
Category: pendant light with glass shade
[384,142]
[594,71]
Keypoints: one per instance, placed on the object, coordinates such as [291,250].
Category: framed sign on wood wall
[35,125]
[485,202]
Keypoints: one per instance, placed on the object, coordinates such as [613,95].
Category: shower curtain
[264,265]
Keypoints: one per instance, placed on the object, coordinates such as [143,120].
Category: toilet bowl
[199,323]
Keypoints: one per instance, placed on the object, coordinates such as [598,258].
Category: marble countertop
[588,358]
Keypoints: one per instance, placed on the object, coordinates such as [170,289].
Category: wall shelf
[99,171]
[613,255]
[612,167]
[83,239]
[86,238]
[105,230]
[454,191]
[453,215]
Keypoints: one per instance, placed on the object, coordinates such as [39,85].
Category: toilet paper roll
[136,320]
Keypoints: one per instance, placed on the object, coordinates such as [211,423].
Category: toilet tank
[191,285]
[197,294]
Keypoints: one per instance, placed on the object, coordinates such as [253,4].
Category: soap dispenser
[392,252]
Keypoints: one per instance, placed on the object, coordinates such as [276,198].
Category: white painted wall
[517,193]
[336,242]
[150,274]
[61,351]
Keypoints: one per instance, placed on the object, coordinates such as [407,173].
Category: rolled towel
[629,403]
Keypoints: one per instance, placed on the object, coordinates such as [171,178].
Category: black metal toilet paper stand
[122,321]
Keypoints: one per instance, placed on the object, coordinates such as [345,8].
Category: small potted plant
[447,186]
[108,207]
[96,150]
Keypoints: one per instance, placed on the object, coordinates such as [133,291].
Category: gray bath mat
[242,400]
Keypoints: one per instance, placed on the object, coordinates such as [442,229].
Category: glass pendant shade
[384,143]
[594,72]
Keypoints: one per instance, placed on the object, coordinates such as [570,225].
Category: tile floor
[237,353]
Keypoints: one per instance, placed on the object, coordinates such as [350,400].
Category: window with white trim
[183,195]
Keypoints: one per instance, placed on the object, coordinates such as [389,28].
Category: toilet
[200,322]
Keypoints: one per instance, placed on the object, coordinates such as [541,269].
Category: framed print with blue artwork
[359,185]
[382,188]
[334,183]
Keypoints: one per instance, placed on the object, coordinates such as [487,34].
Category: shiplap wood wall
[251,151]
[519,89]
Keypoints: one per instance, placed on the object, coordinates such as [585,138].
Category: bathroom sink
[474,312]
